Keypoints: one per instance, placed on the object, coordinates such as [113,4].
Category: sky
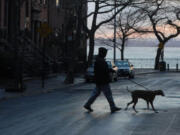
[105,32]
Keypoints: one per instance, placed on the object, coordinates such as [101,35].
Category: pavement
[54,82]
[61,112]
[34,86]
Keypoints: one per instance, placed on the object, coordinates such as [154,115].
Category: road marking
[170,125]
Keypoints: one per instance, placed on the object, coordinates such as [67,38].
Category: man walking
[102,79]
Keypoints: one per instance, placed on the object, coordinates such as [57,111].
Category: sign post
[44,31]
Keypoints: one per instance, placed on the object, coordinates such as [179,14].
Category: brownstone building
[67,36]
[18,15]
[65,23]
[3,19]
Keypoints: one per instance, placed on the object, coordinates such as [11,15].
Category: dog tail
[128,89]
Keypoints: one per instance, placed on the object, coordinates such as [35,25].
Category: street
[61,112]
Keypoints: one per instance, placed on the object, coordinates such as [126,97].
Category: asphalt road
[61,112]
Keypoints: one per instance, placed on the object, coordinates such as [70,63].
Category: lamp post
[114,40]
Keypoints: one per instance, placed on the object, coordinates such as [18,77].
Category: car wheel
[131,76]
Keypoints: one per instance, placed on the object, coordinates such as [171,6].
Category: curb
[31,78]
[66,86]
[49,90]
[147,73]
[170,71]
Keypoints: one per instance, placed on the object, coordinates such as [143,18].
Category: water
[143,57]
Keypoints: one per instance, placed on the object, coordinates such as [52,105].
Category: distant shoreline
[143,46]
[140,43]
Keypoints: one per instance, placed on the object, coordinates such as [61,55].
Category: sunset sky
[105,32]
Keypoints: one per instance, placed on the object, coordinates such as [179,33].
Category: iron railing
[148,63]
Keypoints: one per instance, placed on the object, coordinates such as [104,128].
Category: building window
[57,3]
[6,14]
[27,9]
[0,14]
[44,2]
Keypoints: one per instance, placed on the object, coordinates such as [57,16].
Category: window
[27,9]
[6,13]
[57,3]
[44,2]
[0,14]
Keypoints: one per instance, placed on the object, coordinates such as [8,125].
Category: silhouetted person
[102,79]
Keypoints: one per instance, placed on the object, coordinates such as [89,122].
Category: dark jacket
[101,71]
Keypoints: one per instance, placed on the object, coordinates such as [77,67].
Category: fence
[143,63]
[171,63]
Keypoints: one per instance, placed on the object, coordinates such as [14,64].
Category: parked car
[113,75]
[89,75]
[125,69]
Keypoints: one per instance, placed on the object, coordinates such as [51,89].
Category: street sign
[44,30]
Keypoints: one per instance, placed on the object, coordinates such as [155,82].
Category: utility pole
[114,32]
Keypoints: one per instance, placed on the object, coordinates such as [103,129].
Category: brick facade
[3,19]
[34,12]
[64,19]
[3,13]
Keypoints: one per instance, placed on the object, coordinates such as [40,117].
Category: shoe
[115,109]
[88,108]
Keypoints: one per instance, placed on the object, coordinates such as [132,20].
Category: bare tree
[102,7]
[126,20]
[161,15]
[99,8]
[74,27]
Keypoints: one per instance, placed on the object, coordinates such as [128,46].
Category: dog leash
[139,84]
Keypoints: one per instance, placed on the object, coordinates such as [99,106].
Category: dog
[147,95]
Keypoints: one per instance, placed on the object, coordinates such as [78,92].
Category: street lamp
[114,41]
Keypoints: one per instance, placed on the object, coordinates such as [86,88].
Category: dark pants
[96,92]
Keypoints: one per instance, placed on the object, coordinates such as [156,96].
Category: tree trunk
[71,64]
[122,54]
[159,50]
[71,49]
[122,50]
[70,75]
[91,49]
[159,55]
[13,32]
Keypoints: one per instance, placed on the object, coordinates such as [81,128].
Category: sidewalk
[34,86]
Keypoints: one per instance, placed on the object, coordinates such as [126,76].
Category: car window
[122,64]
[90,69]
[109,64]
